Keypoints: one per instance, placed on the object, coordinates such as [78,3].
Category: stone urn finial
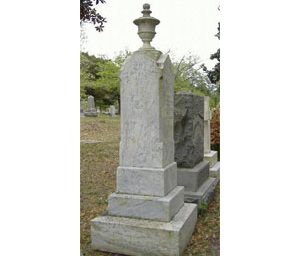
[146,27]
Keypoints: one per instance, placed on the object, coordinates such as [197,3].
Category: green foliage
[191,77]
[202,208]
[88,14]
[99,77]
[214,73]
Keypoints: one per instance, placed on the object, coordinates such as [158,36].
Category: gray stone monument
[209,155]
[193,171]
[147,214]
[83,107]
[91,111]
[112,111]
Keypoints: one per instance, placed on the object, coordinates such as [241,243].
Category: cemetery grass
[99,156]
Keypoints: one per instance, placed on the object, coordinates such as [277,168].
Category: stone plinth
[211,157]
[146,207]
[214,171]
[140,237]
[193,178]
[146,214]
[193,173]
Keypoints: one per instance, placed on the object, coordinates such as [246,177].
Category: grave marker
[147,214]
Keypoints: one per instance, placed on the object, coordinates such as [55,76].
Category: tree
[189,76]
[214,74]
[88,14]
[99,77]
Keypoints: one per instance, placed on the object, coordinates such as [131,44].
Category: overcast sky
[185,27]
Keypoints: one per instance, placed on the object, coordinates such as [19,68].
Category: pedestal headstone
[147,214]
[112,111]
[192,172]
[209,155]
[91,111]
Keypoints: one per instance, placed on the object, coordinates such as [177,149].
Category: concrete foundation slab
[139,237]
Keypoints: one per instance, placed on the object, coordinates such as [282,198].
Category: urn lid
[146,16]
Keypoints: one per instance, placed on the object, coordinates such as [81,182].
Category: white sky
[185,27]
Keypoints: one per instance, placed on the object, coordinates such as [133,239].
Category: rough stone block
[147,181]
[193,178]
[146,207]
[204,193]
[140,237]
[188,129]
[211,157]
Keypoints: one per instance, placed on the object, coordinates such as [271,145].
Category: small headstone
[98,111]
[209,155]
[112,111]
[91,111]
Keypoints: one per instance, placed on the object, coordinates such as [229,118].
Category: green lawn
[99,157]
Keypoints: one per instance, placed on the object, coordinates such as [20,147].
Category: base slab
[211,157]
[90,114]
[214,171]
[144,237]
[193,178]
[146,207]
[203,194]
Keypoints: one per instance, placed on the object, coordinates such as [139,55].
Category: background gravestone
[192,172]
[209,155]
[83,107]
[188,129]
[112,111]
[91,110]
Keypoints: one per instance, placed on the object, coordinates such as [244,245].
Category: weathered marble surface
[146,112]
[147,181]
[144,237]
[188,129]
